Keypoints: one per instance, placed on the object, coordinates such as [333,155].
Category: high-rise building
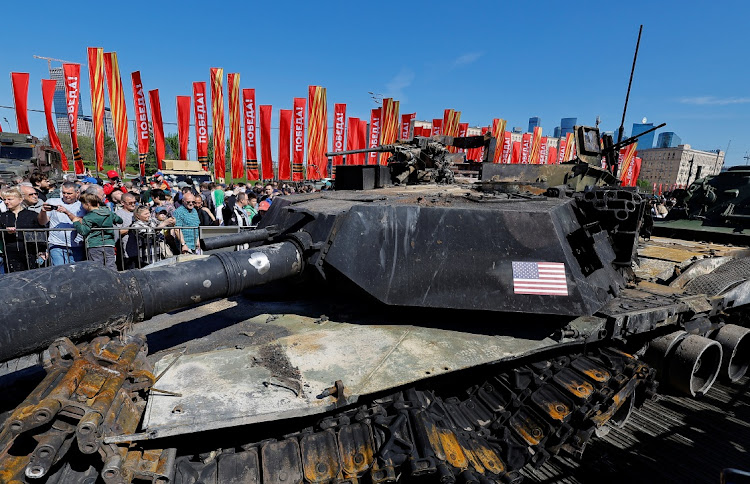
[534,122]
[557,132]
[668,139]
[517,129]
[566,125]
[647,141]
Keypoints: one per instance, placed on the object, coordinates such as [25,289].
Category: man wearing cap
[161,182]
[114,183]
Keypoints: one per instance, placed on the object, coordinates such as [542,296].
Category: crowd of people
[120,224]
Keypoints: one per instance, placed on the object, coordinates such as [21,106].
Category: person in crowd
[121,237]
[30,197]
[187,218]
[115,200]
[146,244]
[100,243]
[160,217]
[65,245]
[161,182]
[205,215]
[114,183]
[97,190]
[217,196]
[267,193]
[251,208]
[230,199]
[41,183]
[20,251]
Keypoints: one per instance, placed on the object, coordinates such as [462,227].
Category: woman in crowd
[19,254]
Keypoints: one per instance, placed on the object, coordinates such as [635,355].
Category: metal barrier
[26,249]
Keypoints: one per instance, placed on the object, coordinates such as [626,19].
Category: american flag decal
[545,278]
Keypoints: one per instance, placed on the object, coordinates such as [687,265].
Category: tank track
[487,434]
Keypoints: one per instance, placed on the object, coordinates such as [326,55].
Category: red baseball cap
[112,174]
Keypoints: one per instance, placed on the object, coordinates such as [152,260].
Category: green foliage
[644,185]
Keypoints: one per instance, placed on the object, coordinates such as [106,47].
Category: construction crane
[50,59]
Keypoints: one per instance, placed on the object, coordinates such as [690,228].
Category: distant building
[85,123]
[668,139]
[567,125]
[645,141]
[680,165]
[557,132]
[534,123]
[517,129]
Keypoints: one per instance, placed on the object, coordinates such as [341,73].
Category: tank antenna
[621,131]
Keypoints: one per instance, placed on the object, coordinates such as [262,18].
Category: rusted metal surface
[286,377]
[90,392]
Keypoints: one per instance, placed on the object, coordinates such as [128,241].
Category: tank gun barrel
[375,149]
[78,300]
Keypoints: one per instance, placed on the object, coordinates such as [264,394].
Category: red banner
[285,139]
[476,154]
[141,118]
[351,141]
[407,121]
[20,81]
[96,83]
[561,150]
[72,75]
[373,139]
[437,127]
[570,148]
[153,97]
[183,125]
[515,156]
[298,157]
[201,123]
[235,125]
[626,162]
[536,144]
[48,94]
[317,133]
[507,148]
[117,106]
[552,156]
[525,148]
[265,142]
[251,153]
[543,154]
[498,131]
[217,114]
[362,141]
[637,170]
[339,130]
[389,126]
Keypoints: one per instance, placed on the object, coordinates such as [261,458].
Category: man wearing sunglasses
[187,216]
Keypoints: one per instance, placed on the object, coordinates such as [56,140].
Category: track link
[485,434]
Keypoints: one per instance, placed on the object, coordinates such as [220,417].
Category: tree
[644,185]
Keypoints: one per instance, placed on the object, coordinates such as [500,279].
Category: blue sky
[486,59]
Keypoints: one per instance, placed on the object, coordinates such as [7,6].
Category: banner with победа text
[72,80]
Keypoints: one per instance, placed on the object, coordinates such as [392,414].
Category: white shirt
[58,220]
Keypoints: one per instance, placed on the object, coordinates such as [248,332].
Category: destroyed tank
[715,208]
[403,327]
